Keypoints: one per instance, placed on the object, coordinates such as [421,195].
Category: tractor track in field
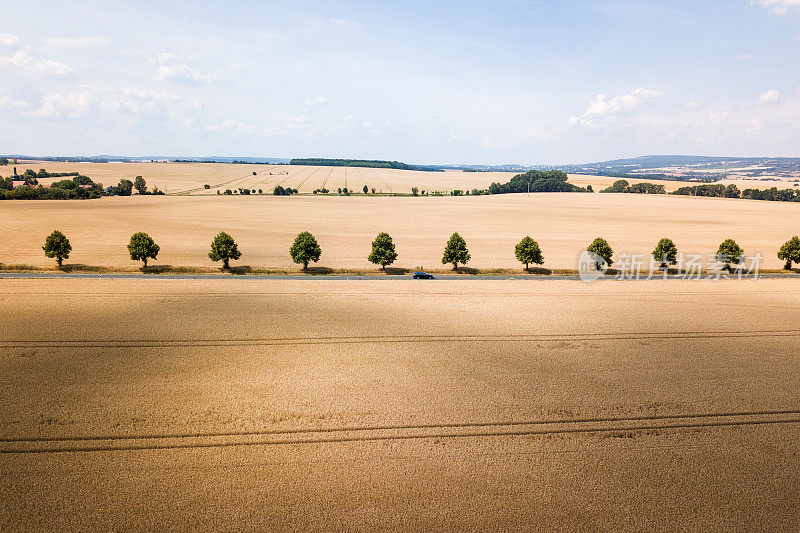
[306,178]
[389,339]
[482,429]
[216,185]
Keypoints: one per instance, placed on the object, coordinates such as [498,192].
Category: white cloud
[75,42]
[603,107]
[8,103]
[104,102]
[8,39]
[719,117]
[69,105]
[778,7]
[770,97]
[319,100]
[691,104]
[755,127]
[234,127]
[24,59]
[744,57]
[172,68]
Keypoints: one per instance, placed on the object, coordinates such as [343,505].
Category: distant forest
[368,163]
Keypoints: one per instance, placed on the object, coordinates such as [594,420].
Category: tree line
[78,187]
[305,249]
[366,163]
[718,190]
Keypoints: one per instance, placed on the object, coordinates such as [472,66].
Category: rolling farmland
[191,178]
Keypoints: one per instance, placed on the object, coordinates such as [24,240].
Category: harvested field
[563,223]
[190,178]
[225,404]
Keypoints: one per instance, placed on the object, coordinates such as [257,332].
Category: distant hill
[686,167]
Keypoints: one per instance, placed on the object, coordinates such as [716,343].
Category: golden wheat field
[237,404]
[191,178]
[265,226]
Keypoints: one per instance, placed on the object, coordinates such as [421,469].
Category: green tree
[601,248]
[414,191]
[57,245]
[729,252]
[125,188]
[224,248]
[383,251]
[366,189]
[455,251]
[790,252]
[140,185]
[305,249]
[142,247]
[528,251]
[666,252]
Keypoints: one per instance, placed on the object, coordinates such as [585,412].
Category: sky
[462,82]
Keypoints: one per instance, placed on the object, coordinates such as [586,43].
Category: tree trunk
[225,264]
[526,267]
[145,262]
[305,266]
[788,265]
[60,260]
[455,267]
[383,267]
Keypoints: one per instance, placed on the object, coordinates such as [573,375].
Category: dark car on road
[423,275]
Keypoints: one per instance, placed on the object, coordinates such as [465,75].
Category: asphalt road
[339,277]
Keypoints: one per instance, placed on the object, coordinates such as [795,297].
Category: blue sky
[502,81]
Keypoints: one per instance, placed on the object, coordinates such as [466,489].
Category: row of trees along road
[306,249]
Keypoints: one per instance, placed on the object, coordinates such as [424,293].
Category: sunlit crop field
[265,226]
[191,178]
[242,404]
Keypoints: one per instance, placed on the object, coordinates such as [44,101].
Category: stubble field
[191,178]
[244,404]
[562,223]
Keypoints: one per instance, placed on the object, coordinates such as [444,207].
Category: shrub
[142,247]
[224,248]
[527,251]
[383,251]
[455,251]
[305,249]
[57,245]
